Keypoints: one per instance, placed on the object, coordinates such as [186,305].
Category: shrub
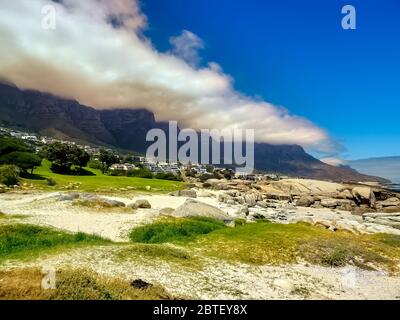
[9,174]
[141,173]
[168,176]
[95,164]
[174,230]
[51,182]
[336,258]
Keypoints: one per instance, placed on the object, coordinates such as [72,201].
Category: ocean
[393,187]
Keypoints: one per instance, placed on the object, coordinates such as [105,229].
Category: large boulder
[364,195]
[141,204]
[193,208]
[305,201]
[329,203]
[345,194]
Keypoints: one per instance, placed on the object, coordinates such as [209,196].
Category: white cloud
[187,46]
[337,162]
[112,65]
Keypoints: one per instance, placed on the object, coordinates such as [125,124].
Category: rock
[113,203]
[323,223]
[205,194]
[266,204]
[364,195]
[239,200]
[305,201]
[250,200]
[231,224]
[141,204]
[188,193]
[317,205]
[69,196]
[329,203]
[184,193]
[391,202]
[167,211]
[345,194]
[278,196]
[148,188]
[193,208]
[387,222]
[230,202]
[140,284]
[391,209]
[378,228]
[243,211]
[380,214]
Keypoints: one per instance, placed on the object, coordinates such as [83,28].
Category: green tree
[8,145]
[24,160]
[107,158]
[64,156]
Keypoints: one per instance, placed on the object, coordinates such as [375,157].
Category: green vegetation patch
[19,241]
[158,253]
[271,243]
[175,230]
[4,216]
[25,284]
[96,181]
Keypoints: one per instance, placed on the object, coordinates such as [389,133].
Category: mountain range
[126,128]
[386,167]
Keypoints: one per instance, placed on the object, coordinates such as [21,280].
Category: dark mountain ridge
[122,128]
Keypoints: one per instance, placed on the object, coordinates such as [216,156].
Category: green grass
[4,216]
[270,243]
[22,241]
[25,284]
[156,253]
[174,230]
[96,182]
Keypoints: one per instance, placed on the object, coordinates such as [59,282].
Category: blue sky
[295,54]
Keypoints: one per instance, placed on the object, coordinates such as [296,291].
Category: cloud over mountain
[98,55]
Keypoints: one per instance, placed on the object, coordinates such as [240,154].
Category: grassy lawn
[97,181]
[270,243]
[25,284]
[22,241]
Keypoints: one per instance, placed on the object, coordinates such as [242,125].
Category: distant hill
[386,167]
[126,128]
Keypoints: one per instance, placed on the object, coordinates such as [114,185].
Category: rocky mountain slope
[126,128]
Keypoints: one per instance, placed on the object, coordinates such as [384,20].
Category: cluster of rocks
[89,198]
[386,219]
[95,200]
[356,199]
